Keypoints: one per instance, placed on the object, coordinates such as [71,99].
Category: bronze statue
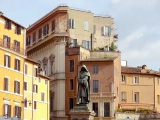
[83,96]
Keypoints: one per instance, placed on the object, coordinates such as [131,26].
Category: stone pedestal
[81,112]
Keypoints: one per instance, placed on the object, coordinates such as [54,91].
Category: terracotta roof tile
[127,69]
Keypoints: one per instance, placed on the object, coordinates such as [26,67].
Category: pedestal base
[81,112]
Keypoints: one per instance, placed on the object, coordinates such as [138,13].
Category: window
[158,102]
[25,102]
[71,84]
[17,110]
[136,80]
[16,46]
[86,44]
[95,69]
[6,41]
[18,30]
[7,61]
[52,67]
[35,105]
[74,43]
[8,24]
[86,25]
[45,69]
[72,23]
[53,25]
[35,88]
[136,97]
[123,79]
[40,33]
[35,72]
[71,66]
[34,37]
[106,109]
[28,39]
[46,82]
[39,80]
[25,86]
[106,30]
[17,65]
[123,96]
[45,30]
[71,103]
[7,110]
[16,87]
[157,81]
[26,69]
[42,96]
[95,108]
[95,86]
[6,83]
[94,29]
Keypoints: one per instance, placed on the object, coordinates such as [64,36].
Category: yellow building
[12,57]
[36,93]
[140,88]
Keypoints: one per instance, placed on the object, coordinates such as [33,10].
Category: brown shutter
[6,24]
[4,60]
[36,88]
[18,46]
[4,83]
[35,106]
[18,87]
[3,109]
[15,61]
[9,61]
[9,24]
[19,65]
[8,42]
[9,110]
[15,86]
[26,69]
[19,112]
[15,110]
[36,72]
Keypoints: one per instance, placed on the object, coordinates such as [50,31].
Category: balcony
[103,96]
[12,47]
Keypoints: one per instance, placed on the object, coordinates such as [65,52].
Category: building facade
[140,88]
[12,51]
[36,92]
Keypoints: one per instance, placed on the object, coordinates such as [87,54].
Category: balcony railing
[103,94]
[11,46]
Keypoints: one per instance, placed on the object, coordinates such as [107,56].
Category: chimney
[144,67]
[1,13]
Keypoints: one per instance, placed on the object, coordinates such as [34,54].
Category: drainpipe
[23,88]
[32,89]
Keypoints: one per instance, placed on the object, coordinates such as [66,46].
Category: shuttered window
[28,39]
[25,103]
[8,24]
[17,65]
[7,110]
[86,25]
[18,30]
[40,33]
[16,46]
[7,61]
[6,41]
[45,30]
[6,83]
[72,24]
[35,88]
[17,87]
[42,96]
[35,72]
[71,66]
[106,30]
[35,105]
[26,69]
[25,86]
[17,111]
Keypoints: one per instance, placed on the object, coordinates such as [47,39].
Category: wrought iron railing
[11,46]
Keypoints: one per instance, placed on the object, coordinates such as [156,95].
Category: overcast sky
[137,23]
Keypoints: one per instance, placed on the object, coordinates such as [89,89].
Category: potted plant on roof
[112,47]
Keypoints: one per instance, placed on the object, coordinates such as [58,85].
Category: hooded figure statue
[83,96]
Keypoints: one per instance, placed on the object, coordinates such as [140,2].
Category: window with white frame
[86,25]
[7,61]
[74,43]
[17,64]
[136,97]
[123,79]
[6,84]
[25,86]
[72,24]
[136,81]
[106,30]
[123,96]
[42,96]
[7,110]
[17,87]
[95,69]
[86,44]
[35,88]
[17,111]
